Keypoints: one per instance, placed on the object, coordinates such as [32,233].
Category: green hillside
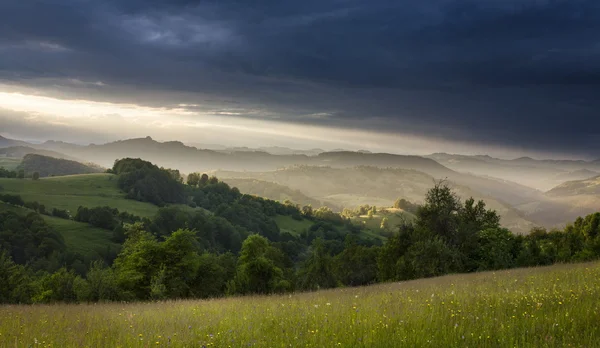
[9,163]
[70,192]
[292,226]
[79,237]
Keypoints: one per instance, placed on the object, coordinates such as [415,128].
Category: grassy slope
[539,307]
[69,192]
[292,226]
[9,163]
[79,237]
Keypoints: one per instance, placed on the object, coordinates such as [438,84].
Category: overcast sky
[506,77]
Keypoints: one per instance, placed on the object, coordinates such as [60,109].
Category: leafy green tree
[405,205]
[212,275]
[15,281]
[35,176]
[390,253]
[439,215]
[370,215]
[385,224]
[21,174]
[203,179]
[57,287]
[138,262]
[317,271]
[495,249]
[101,285]
[256,272]
[193,179]
[356,264]
[428,258]
[307,211]
[180,263]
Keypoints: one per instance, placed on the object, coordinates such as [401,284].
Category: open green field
[292,226]
[70,192]
[79,237]
[9,163]
[553,306]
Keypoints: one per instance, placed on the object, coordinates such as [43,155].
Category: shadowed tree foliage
[317,271]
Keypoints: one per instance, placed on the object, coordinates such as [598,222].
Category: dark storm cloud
[522,73]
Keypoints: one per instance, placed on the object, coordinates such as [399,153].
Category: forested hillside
[208,239]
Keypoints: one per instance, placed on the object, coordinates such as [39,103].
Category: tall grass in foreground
[557,306]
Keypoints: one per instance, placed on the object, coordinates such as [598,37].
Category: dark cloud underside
[520,73]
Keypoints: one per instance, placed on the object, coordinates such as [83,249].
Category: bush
[60,213]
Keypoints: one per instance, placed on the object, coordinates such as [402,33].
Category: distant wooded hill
[50,166]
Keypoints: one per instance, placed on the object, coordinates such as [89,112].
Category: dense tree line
[406,205]
[143,181]
[5,173]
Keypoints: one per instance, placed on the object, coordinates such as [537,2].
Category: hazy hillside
[6,142]
[277,192]
[50,166]
[539,174]
[580,174]
[273,150]
[22,151]
[351,187]
[589,186]
[190,159]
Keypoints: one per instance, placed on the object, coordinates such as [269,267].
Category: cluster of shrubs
[19,174]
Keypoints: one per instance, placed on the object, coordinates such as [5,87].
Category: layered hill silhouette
[540,174]
[175,154]
[519,183]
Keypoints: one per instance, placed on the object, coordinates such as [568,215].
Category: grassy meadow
[554,306]
[9,163]
[71,191]
[292,226]
[79,237]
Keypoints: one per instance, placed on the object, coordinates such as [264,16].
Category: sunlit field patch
[555,306]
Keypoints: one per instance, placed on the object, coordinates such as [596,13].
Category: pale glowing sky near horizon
[127,120]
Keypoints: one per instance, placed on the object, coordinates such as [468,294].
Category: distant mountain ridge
[5,142]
